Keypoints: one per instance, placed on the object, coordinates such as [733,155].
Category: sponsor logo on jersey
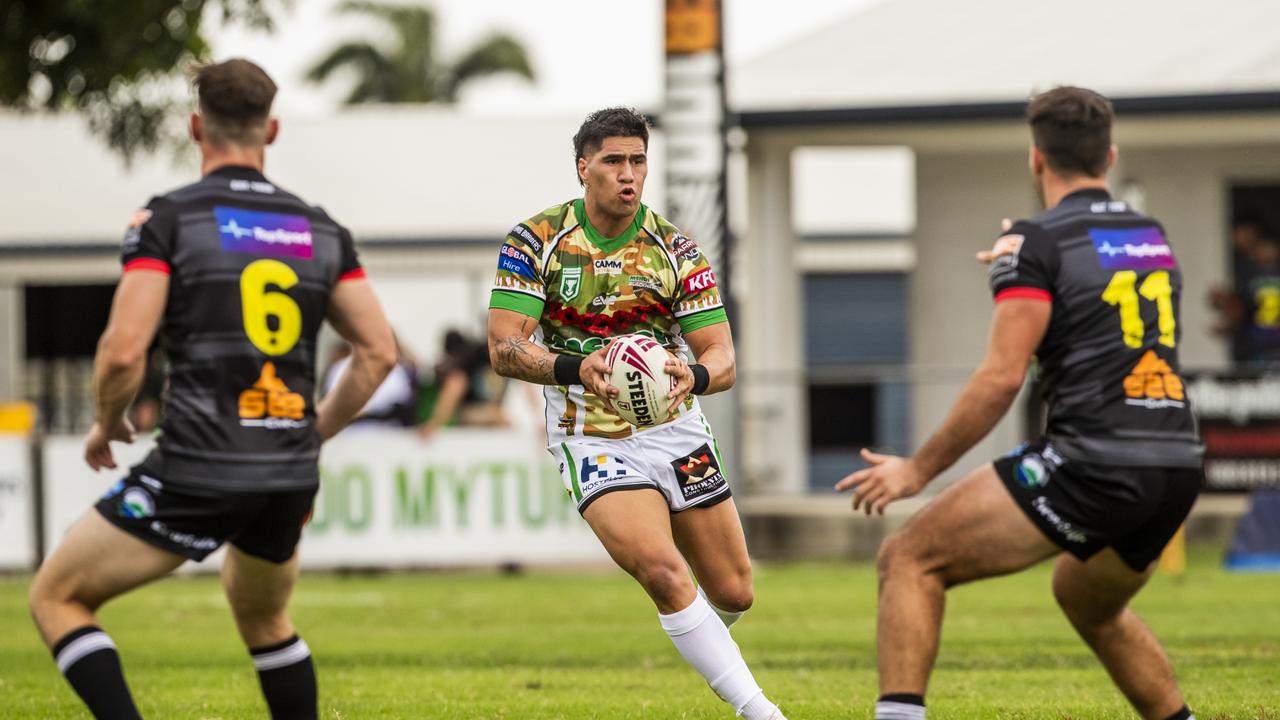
[512,260]
[137,504]
[1153,384]
[1141,248]
[263,233]
[607,267]
[257,186]
[604,300]
[701,280]
[1068,531]
[698,473]
[133,231]
[640,282]
[685,248]
[586,346]
[271,404]
[570,282]
[523,232]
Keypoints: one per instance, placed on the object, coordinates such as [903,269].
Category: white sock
[888,710]
[726,617]
[704,643]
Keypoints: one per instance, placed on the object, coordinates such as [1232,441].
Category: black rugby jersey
[1109,360]
[251,271]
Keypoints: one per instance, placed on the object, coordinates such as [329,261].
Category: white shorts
[679,459]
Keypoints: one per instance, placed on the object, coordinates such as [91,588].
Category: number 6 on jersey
[260,304]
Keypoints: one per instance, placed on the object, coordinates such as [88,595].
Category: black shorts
[1084,507]
[194,522]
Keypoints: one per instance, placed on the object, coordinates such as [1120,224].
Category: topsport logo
[263,233]
[1132,248]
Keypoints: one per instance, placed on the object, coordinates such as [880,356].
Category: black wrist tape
[568,370]
[701,379]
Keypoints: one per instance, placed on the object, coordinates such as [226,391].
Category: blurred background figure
[465,391]
[1248,310]
[394,403]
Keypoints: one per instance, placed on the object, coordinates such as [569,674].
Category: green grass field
[588,645]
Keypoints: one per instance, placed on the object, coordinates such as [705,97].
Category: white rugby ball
[639,373]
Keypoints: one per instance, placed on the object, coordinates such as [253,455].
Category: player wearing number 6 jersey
[237,275]
[1090,288]
[568,280]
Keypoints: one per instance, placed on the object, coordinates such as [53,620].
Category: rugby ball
[638,366]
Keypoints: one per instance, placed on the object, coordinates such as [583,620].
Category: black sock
[88,659]
[904,698]
[288,679]
[1183,714]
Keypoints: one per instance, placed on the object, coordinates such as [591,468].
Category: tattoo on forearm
[519,358]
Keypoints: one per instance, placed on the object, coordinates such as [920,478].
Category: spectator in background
[1249,311]
[394,403]
[468,391]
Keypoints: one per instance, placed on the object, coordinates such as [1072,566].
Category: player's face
[614,175]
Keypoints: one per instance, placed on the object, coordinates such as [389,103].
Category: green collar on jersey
[608,244]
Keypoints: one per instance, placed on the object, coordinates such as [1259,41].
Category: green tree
[411,71]
[118,63]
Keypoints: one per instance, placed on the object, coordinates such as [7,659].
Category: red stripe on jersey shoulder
[147,264]
[356,274]
[1024,293]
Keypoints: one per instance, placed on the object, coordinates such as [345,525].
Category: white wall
[960,200]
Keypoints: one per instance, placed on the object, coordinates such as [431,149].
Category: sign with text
[17,511]
[1239,417]
[387,499]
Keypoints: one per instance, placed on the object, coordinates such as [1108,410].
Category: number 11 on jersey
[1155,288]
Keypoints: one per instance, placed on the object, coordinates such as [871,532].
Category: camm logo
[270,398]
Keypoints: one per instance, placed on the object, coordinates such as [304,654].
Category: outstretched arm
[1016,331]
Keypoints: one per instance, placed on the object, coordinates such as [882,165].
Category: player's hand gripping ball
[638,370]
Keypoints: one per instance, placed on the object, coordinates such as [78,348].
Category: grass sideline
[588,645]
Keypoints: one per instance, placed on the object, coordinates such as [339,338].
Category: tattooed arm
[511,351]
[513,355]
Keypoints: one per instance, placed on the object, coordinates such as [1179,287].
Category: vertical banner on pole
[693,128]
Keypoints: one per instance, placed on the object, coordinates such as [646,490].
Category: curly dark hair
[607,123]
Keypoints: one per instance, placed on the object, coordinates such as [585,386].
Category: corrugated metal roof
[905,54]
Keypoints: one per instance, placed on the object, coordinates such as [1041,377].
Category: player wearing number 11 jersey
[237,276]
[1090,288]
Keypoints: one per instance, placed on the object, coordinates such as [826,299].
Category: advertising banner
[17,509]
[1239,419]
[387,499]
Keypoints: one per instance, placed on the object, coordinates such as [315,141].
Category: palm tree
[411,72]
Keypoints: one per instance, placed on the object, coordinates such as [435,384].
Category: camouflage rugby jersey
[585,288]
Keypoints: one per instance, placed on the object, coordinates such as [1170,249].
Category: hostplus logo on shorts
[262,233]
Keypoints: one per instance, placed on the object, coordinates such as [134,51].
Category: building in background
[871,331]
